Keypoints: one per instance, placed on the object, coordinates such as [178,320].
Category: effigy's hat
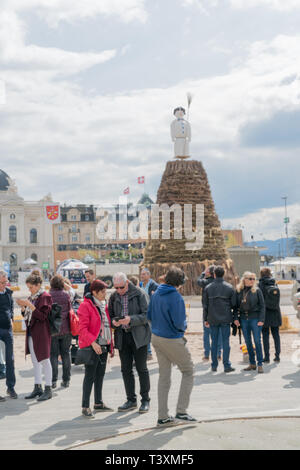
[179,109]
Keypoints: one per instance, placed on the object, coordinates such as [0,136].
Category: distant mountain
[277,248]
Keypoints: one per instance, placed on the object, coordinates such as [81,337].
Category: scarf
[105,332]
[28,311]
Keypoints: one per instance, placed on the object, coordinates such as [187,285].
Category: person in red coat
[36,312]
[95,330]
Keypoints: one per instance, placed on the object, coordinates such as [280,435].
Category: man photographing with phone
[128,312]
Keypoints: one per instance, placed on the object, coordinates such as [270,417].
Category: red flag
[126,190]
[141,180]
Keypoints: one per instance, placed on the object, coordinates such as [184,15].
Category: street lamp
[286,221]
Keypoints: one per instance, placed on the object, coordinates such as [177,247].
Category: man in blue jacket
[167,314]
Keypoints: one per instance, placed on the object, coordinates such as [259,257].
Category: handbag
[74,323]
[85,356]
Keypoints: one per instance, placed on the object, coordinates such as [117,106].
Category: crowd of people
[139,315]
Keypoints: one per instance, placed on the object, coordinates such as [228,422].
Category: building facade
[24,230]
[233,238]
[76,235]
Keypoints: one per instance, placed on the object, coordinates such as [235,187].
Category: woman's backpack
[272,297]
[55,319]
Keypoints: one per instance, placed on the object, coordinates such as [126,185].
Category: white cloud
[131,128]
[263,224]
[13,51]
[202,5]
[281,5]
[55,11]
[77,136]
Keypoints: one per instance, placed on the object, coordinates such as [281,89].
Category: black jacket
[219,303]
[6,309]
[137,310]
[204,282]
[256,305]
[87,289]
[273,317]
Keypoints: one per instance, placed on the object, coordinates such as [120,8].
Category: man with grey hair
[128,311]
[6,333]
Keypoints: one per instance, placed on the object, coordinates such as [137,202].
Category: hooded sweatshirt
[166,311]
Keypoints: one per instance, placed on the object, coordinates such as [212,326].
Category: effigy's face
[179,114]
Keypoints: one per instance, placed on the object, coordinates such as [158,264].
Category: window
[73,229]
[87,217]
[74,238]
[13,259]
[73,217]
[33,235]
[12,216]
[87,238]
[60,238]
[12,234]
[60,228]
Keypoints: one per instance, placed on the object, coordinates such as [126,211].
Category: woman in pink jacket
[95,330]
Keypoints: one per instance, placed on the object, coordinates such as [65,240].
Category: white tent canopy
[29,262]
[73,265]
[287,262]
[287,268]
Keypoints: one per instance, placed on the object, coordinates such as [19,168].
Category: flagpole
[54,251]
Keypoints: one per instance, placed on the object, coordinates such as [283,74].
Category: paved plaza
[241,410]
[217,398]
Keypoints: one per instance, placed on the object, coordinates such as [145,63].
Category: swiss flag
[126,190]
[141,180]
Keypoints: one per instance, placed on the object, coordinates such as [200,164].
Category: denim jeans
[224,330]
[207,341]
[7,337]
[250,326]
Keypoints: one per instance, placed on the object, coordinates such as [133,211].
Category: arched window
[34,256]
[13,259]
[12,234]
[33,235]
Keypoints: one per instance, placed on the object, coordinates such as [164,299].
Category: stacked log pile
[185,182]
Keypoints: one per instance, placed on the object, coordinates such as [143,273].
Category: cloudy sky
[90,88]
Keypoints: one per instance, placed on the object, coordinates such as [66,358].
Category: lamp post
[286,221]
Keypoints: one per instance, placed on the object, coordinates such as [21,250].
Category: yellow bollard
[285,323]
[19,324]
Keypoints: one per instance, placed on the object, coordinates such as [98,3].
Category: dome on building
[4,181]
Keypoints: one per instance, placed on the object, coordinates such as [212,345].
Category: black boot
[37,392]
[46,395]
